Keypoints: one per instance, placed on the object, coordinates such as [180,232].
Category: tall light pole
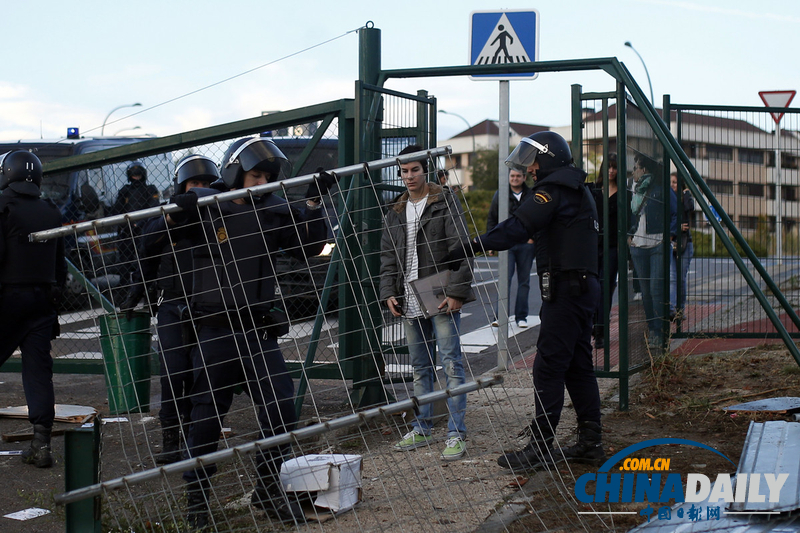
[629,45]
[465,122]
[102,129]
[127,129]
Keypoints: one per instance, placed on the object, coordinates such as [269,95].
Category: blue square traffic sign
[498,37]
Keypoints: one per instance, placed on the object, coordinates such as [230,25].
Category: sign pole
[502,198]
[778,195]
[778,99]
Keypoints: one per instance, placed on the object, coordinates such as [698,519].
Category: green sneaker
[454,448]
[412,439]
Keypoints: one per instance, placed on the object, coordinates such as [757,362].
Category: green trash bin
[126,352]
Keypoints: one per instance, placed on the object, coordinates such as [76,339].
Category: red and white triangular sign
[777,99]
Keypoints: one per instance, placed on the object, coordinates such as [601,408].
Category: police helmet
[550,149]
[136,168]
[249,153]
[21,171]
[194,167]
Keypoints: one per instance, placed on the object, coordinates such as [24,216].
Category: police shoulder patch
[542,197]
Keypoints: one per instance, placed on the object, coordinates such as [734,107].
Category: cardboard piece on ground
[785,404]
[334,478]
[76,414]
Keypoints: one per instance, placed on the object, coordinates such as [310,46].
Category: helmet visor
[262,154]
[525,154]
[198,168]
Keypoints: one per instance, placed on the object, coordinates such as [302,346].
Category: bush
[702,245]
[478,202]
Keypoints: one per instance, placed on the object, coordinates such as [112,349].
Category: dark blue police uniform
[234,306]
[562,217]
[173,270]
[31,274]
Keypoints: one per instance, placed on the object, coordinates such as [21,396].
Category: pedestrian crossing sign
[498,37]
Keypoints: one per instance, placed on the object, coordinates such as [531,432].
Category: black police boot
[170,449]
[537,454]
[271,497]
[589,447]
[196,506]
[39,453]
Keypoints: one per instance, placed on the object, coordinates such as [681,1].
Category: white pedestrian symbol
[502,46]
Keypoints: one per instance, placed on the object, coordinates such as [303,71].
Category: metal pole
[652,98]
[502,198]
[778,195]
[103,127]
[238,193]
[276,440]
[465,122]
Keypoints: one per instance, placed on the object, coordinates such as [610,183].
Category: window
[689,148]
[752,157]
[788,160]
[720,186]
[722,153]
[751,189]
[748,223]
[788,193]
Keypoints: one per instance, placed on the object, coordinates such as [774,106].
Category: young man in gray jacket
[422,226]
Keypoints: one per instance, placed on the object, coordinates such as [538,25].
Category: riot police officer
[137,194]
[32,276]
[561,216]
[167,258]
[237,317]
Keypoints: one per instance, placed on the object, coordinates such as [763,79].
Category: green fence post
[624,252]
[81,469]
[358,344]
[577,126]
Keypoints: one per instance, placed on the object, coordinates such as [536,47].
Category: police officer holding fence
[561,217]
[237,316]
[32,276]
[167,258]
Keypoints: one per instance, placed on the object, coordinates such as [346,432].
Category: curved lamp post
[128,129]
[102,129]
[465,122]
[629,45]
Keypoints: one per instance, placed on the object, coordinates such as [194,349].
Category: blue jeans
[423,335]
[649,264]
[677,298]
[520,258]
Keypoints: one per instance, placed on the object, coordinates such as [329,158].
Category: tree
[484,170]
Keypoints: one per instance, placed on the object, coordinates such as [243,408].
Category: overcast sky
[70,63]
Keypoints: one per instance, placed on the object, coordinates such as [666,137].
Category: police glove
[321,185]
[133,298]
[188,203]
[456,257]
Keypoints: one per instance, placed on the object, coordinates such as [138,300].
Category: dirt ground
[682,396]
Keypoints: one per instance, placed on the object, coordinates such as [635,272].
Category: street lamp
[629,45]
[465,122]
[102,129]
[127,129]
